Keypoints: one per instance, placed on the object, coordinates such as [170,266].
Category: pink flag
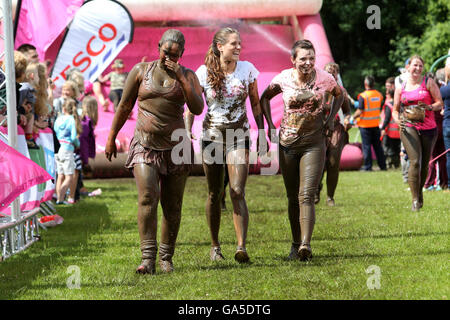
[17,174]
[42,21]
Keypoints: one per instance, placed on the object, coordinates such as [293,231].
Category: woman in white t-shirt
[226,83]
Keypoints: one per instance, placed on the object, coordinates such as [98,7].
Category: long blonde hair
[20,64]
[41,105]
[216,75]
[70,106]
[74,86]
[90,109]
[76,76]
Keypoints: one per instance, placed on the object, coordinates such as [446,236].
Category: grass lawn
[372,225]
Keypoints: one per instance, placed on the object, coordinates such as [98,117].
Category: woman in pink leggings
[418,98]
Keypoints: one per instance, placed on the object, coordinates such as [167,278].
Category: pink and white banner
[40,22]
[98,32]
[18,175]
[45,140]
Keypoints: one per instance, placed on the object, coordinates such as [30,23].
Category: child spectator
[74,188]
[89,120]
[117,77]
[27,92]
[87,139]
[42,106]
[76,76]
[69,90]
[66,131]
[20,65]
[27,99]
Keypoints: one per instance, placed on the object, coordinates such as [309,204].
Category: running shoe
[241,255]
[216,254]
[305,252]
[293,255]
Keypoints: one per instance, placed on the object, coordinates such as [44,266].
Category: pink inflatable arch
[266,46]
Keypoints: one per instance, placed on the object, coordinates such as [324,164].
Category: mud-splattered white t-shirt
[303,107]
[229,111]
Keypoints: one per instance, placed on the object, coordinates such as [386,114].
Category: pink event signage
[42,21]
[17,174]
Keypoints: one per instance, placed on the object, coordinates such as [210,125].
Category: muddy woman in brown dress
[302,137]
[227,82]
[161,87]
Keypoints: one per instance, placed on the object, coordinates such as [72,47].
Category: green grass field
[372,225]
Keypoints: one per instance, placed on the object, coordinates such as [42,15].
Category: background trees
[407,27]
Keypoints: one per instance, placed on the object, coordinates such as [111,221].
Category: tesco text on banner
[98,32]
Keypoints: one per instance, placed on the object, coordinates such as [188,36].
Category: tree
[407,28]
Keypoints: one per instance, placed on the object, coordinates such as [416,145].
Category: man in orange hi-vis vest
[368,120]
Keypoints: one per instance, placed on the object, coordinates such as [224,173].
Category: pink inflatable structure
[267,46]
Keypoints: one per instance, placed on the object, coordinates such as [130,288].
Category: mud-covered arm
[337,103]
[271,91]
[192,92]
[189,122]
[189,119]
[346,104]
[126,104]
[256,105]
[259,119]
[438,103]
[190,85]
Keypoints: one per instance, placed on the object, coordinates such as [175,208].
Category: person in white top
[226,83]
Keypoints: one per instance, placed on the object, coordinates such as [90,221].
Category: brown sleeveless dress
[160,113]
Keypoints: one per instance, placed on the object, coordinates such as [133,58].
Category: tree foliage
[407,28]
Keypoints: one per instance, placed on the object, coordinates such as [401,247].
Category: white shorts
[65,162]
